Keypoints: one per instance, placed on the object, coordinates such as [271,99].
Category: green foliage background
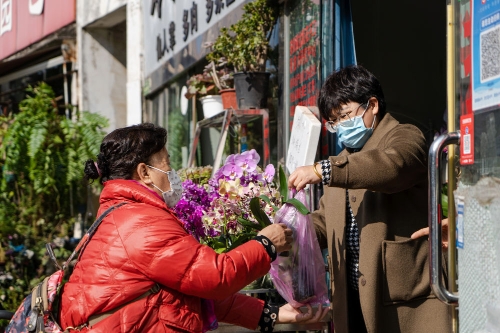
[42,155]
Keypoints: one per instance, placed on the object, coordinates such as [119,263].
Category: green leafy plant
[245,44]
[42,155]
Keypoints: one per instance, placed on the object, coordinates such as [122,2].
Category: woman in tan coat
[375,198]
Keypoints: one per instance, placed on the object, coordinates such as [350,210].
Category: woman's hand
[304,175]
[289,314]
[425,232]
[280,235]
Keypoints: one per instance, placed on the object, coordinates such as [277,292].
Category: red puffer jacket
[143,243]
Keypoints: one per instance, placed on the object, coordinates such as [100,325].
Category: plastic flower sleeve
[299,274]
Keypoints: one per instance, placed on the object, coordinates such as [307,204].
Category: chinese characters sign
[170,25]
[25,22]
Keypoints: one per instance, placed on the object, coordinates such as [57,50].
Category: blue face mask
[353,133]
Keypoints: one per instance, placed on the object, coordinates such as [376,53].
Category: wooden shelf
[222,121]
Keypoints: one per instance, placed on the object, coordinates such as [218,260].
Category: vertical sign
[5,16]
[485,54]
[467,139]
[303,71]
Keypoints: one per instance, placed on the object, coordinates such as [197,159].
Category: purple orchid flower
[232,171]
[248,160]
[230,159]
[269,173]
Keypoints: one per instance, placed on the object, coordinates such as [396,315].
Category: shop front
[37,43]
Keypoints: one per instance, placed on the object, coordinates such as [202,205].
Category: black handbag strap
[85,239]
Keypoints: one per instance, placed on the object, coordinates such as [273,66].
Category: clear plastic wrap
[299,274]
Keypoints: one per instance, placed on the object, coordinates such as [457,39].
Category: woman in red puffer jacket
[142,271]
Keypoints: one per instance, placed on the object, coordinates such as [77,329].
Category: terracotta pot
[229,98]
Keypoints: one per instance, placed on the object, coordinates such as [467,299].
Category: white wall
[109,35]
[134,62]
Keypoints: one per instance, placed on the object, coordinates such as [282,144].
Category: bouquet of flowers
[235,203]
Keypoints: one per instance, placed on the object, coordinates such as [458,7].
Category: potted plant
[245,47]
[203,87]
[210,88]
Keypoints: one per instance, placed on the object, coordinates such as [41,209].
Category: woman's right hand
[280,235]
[288,314]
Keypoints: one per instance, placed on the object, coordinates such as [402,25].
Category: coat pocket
[406,270]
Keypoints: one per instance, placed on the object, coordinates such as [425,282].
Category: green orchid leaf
[299,205]
[242,238]
[268,201]
[249,224]
[283,183]
[258,213]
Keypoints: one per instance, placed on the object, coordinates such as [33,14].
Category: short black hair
[349,84]
[123,149]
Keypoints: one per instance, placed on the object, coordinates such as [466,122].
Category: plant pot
[212,105]
[252,89]
[229,98]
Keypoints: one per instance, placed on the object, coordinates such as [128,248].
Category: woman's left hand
[288,314]
[304,175]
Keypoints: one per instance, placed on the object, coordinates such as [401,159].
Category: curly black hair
[123,149]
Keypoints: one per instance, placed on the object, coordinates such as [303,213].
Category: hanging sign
[467,139]
[485,56]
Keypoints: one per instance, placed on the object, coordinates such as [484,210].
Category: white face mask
[172,196]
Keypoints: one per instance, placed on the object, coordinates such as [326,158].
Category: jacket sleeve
[240,310]
[167,254]
[396,164]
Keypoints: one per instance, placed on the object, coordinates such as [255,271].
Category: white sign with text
[304,138]
[169,26]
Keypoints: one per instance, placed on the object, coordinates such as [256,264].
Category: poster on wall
[467,139]
[485,54]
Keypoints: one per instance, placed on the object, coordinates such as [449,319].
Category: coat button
[363,281]
[353,198]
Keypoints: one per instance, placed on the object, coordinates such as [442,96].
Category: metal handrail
[435,247]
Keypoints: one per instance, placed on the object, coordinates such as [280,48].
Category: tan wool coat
[387,183]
